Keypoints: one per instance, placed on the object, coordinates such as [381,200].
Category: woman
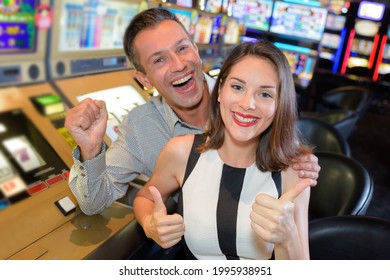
[239,197]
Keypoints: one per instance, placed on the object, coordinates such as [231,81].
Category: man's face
[172,64]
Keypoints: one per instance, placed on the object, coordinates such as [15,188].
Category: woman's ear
[219,90]
[141,77]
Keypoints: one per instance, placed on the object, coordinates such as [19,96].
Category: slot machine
[39,216]
[86,57]
[365,31]
[334,36]
[297,28]
[382,67]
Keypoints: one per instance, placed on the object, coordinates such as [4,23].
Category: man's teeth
[244,120]
[182,81]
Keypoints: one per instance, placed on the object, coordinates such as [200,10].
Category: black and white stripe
[215,201]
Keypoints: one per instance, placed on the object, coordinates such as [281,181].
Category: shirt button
[82,175]
[81,167]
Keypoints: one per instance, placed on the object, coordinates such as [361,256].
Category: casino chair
[323,136]
[354,98]
[343,120]
[344,187]
[349,238]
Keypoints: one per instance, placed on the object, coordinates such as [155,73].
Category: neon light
[309,64]
[380,56]
[347,51]
[373,51]
[313,3]
[339,50]
[292,48]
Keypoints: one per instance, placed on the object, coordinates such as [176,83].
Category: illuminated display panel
[330,40]
[119,102]
[384,67]
[357,62]
[184,16]
[299,21]
[232,32]
[214,6]
[94,25]
[371,11]
[335,22]
[207,29]
[360,46]
[28,164]
[366,27]
[18,33]
[258,15]
[184,3]
[254,14]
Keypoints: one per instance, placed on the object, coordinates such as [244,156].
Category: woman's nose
[247,102]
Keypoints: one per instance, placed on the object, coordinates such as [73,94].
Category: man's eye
[158,60]
[182,48]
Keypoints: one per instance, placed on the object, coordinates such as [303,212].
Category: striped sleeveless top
[215,201]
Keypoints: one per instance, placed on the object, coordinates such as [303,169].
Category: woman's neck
[238,154]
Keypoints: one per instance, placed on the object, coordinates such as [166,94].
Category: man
[164,57]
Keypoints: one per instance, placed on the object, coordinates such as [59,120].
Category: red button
[37,188]
[66,174]
[54,180]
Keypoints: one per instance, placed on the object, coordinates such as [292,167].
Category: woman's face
[248,99]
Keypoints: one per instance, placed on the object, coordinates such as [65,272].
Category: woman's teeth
[244,120]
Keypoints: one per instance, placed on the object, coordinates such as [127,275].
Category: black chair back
[355,98]
[323,136]
[344,187]
[349,238]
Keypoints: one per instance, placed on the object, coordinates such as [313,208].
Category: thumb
[159,205]
[295,191]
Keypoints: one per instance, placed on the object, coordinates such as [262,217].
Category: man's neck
[196,116]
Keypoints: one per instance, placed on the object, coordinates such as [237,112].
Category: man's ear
[141,77]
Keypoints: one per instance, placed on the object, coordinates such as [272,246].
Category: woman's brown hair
[280,142]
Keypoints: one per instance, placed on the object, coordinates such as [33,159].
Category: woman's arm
[149,208]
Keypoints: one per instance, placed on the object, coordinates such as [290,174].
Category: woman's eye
[237,87]
[265,94]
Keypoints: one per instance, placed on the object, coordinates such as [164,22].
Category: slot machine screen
[207,29]
[258,15]
[384,67]
[94,25]
[213,6]
[184,3]
[335,22]
[28,164]
[366,27]
[119,102]
[360,46]
[330,40]
[184,16]
[371,11]
[298,21]
[18,33]
[232,32]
